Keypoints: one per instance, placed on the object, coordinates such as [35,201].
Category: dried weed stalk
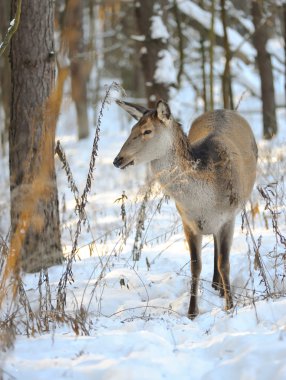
[68,275]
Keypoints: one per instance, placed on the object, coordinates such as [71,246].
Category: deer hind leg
[223,242]
[217,281]
[195,245]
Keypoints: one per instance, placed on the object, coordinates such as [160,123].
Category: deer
[209,173]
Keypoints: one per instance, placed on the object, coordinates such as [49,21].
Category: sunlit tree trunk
[263,60]
[35,232]
[80,69]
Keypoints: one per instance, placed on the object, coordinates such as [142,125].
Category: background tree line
[153,48]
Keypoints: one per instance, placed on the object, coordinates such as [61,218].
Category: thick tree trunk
[265,70]
[152,48]
[35,234]
[73,35]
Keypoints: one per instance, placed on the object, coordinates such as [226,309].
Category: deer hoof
[192,314]
[219,287]
[229,304]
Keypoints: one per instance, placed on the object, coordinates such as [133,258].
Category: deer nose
[118,161]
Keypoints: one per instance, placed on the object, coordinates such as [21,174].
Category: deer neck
[179,171]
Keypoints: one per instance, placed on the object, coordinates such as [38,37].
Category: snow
[165,71]
[140,38]
[138,328]
[164,347]
[158,29]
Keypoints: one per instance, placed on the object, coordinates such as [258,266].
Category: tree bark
[263,60]
[151,48]
[35,232]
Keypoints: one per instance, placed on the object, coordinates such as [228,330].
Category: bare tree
[226,76]
[80,69]
[263,60]
[284,19]
[151,20]
[35,232]
[211,54]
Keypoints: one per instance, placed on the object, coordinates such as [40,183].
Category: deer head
[150,137]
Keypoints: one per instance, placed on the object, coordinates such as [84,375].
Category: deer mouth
[129,164]
[119,163]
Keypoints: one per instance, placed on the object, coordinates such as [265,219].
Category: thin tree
[263,60]
[226,76]
[211,54]
[178,20]
[35,225]
[284,19]
[203,64]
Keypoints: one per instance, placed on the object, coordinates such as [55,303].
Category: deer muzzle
[121,163]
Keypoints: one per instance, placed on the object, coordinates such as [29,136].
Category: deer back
[225,139]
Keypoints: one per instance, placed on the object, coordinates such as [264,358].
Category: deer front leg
[195,244]
[217,281]
[223,240]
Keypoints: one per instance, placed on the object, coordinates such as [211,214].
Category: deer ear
[134,110]
[163,111]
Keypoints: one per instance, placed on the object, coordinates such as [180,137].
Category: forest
[96,275]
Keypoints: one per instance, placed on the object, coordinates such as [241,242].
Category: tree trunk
[263,60]
[203,64]
[5,83]
[130,65]
[73,35]
[35,233]
[226,77]
[211,53]
[180,48]
[153,48]
[284,19]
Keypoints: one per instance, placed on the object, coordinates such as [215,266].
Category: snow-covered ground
[136,311]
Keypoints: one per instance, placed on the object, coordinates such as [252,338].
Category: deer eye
[147,132]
